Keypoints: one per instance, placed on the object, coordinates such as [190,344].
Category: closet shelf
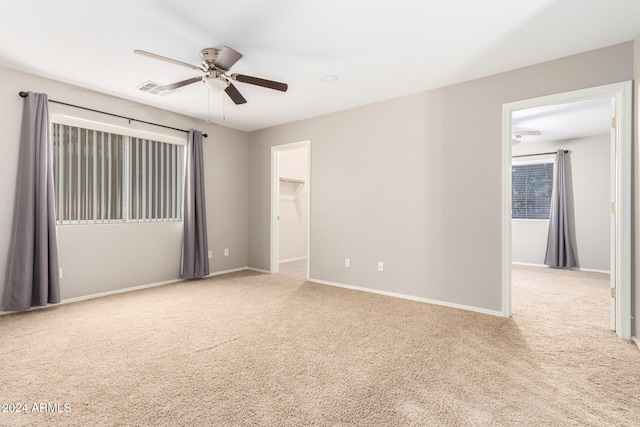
[292,180]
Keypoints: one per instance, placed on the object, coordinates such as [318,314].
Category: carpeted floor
[271,350]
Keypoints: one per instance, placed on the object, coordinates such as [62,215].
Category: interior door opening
[583,129]
[621,177]
[290,204]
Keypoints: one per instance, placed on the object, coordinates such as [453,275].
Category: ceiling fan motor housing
[208,57]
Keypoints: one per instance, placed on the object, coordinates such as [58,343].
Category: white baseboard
[130,289]
[258,270]
[150,285]
[234,270]
[98,295]
[119,291]
[636,340]
[409,297]
[591,270]
[291,260]
[527,264]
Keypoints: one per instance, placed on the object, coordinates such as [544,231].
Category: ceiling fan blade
[164,58]
[181,83]
[227,58]
[526,132]
[270,84]
[234,94]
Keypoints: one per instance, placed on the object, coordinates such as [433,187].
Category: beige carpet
[271,350]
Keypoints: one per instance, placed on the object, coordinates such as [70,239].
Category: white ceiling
[564,121]
[379,49]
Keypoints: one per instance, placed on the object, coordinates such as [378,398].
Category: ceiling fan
[516,135]
[215,65]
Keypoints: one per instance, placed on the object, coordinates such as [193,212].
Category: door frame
[622,93]
[274,263]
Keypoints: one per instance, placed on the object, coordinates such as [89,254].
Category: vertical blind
[156,169]
[532,187]
[104,177]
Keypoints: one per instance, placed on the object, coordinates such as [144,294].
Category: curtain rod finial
[23,94]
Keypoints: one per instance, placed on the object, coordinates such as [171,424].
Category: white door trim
[623,94]
[275,202]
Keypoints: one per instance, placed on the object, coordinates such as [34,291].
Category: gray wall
[104,258]
[416,182]
[588,197]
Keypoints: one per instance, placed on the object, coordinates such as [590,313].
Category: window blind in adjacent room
[532,186]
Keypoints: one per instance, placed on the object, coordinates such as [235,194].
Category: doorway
[290,204]
[620,244]
[582,129]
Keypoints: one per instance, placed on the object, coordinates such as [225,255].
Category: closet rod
[25,94]
[292,180]
[536,154]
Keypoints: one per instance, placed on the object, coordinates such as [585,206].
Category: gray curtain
[559,249]
[32,277]
[195,250]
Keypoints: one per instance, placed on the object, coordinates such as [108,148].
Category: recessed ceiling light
[329,78]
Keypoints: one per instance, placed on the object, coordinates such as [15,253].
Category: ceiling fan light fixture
[215,84]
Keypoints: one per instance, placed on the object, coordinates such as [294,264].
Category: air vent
[153,88]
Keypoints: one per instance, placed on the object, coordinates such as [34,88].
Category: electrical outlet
[347,262]
[380,266]
[60,273]
[210,254]
[226,251]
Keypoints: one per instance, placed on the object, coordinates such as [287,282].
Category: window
[532,186]
[103,177]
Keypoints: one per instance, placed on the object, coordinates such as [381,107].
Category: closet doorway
[290,204]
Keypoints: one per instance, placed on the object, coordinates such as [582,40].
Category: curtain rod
[537,154]
[25,94]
